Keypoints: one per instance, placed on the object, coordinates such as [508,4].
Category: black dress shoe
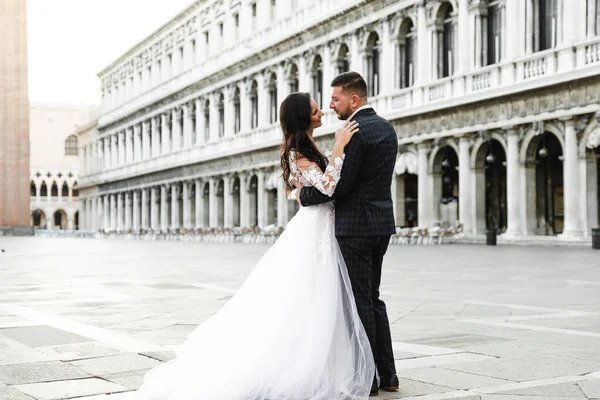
[374,388]
[390,384]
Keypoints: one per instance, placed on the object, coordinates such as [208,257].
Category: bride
[292,331]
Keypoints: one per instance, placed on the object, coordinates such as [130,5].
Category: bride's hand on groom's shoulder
[345,133]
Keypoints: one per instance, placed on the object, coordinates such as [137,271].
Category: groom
[364,217]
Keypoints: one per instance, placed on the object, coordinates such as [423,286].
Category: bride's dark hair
[295,118]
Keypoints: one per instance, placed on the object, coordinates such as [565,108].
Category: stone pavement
[85,318]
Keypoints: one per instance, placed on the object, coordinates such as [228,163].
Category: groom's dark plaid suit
[364,221]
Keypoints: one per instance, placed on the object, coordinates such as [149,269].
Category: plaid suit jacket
[363,199]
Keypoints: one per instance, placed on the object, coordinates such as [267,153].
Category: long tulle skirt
[291,332]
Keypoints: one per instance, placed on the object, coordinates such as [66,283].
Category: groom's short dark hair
[351,81]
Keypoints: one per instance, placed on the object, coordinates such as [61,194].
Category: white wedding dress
[291,332]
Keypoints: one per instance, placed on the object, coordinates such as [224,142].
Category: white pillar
[176,124]
[164,215]
[154,143]
[425,197]
[199,123]
[387,67]
[109,214]
[175,221]
[423,41]
[144,208]
[244,200]
[164,136]
[146,140]
[571,181]
[263,101]
[512,184]
[262,201]
[464,44]
[187,222]
[227,202]
[129,145]
[529,37]
[199,204]
[120,207]
[154,209]
[187,125]
[213,212]
[136,211]
[114,150]
[229,117]
[465,205]
[128,211]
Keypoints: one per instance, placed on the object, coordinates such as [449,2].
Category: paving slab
[69,389]
[39,372]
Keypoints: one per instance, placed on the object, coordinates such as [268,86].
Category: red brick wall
[14,115]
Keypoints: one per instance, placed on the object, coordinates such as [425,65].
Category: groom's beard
[344,115]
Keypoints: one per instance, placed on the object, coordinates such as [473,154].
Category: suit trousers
[363,257]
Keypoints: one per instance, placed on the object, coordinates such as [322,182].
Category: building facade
[14,119]
[54,171]
[496,105]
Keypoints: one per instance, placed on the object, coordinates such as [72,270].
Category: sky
[70,41]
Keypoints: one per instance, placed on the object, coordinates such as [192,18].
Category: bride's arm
[324,182]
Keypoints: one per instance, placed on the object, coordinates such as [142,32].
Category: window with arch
[293,78]
[237,111]
[273,98]
[71,146]
[343,59]
[32,189]
[221,107]
[372,54]
[207,120]
[406,53]
[547,24]
[494,33]
[446,40]
[317,80]
[254,105]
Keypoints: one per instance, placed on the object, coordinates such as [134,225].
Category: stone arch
[591,131]
[435,156]
[407,162]
[60,219]
[475,158]
[532,137]
[38,219]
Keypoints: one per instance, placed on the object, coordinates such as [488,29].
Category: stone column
[187,222]
[129,145]
[356,62]
[227,202]
[154,209]
[262,201]
[120,212]
[100,214]
[187,126]
[199,123]
[423,67]
[213,215]
[244,211]
[283,86]
[107,212]
[387,67]
[245,109]
[229,111]
[176,118]
[106,144]
[164,215]
[282,204]
[114,149]
[145,140]
[303,75]
[136,211]
[512,184]
[571,181]
[154,143]
[165,142]
[465,205]
[144,207]
[529,27]
[199,217]
[137,142]
[425,195]
[175,221]
[464,44]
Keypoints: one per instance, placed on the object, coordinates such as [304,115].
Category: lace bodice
[308,173]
